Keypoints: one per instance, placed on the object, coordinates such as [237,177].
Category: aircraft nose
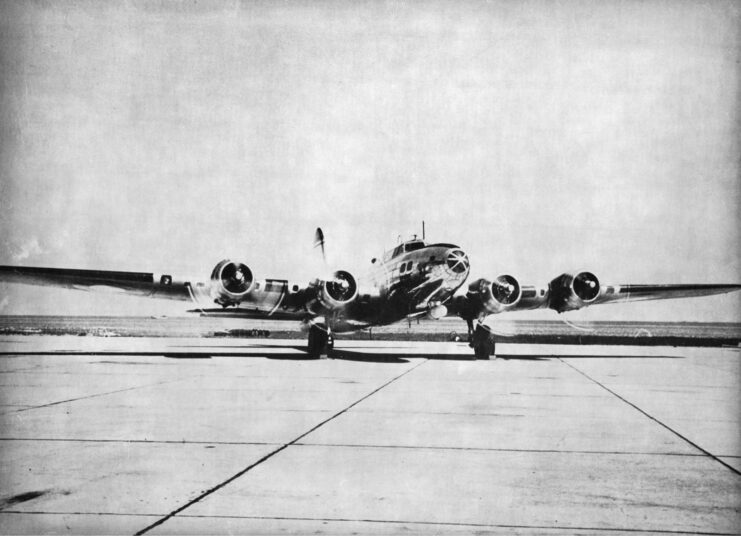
[457,260]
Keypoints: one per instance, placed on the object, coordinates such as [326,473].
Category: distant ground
[525,331]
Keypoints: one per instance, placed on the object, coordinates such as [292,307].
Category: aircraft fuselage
[412,279]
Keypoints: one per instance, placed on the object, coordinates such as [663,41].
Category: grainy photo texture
[370,267]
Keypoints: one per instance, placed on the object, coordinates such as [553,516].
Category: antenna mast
[423,229]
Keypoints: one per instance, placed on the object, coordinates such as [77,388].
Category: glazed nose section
[457,261]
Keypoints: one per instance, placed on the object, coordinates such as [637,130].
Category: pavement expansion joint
[276,451]
[431,524]
[495,449]
[565,529]
[95,395]
[353,446]
[75,513]
[144,441]
[657,421]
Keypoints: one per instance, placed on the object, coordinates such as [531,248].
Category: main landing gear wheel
[320,343]
[483,343]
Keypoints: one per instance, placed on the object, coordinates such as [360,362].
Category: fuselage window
[294,288]
[402,268]
[409,266]
[273,286]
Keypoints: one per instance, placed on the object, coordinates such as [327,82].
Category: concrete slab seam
[495,449]
[89,396]
[657,421]
[274,452]
[359,445]
[145,441]
[58,513]
[386,522]
[460,524]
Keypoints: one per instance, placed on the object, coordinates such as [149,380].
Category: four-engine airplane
[414,279]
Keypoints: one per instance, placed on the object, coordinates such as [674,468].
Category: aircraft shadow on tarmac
[387,355]
[295,353]
[298,353]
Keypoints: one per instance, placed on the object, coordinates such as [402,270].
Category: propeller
[322,260]
[321,264]
[341,285]
[505,289]
[319,243]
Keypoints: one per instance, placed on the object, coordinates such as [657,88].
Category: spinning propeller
[505,289]
[340,284]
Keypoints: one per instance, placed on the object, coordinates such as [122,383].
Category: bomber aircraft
[415,279]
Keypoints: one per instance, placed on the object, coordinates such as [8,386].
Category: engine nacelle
[573,291]
[495,296]
[231,282]
[333,293]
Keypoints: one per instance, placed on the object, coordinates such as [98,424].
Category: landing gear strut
[321,341]
[481,340]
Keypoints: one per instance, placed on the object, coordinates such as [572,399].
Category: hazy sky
[540,136]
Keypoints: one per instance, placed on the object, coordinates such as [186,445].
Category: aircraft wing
[619,293]
[616,294]
[568,292]
[135,283]
[231,286]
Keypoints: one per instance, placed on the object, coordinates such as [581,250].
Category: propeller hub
[342,287]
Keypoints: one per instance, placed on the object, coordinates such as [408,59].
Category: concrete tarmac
[194,436]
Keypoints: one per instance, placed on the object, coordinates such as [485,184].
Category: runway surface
[162,436]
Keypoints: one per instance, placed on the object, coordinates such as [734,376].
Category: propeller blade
[322,267]
[319,242]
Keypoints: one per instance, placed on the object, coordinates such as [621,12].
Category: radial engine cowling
[334,293]
[495,296]
[573,291]
[232,281]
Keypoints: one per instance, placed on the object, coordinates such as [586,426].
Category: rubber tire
[483,343]
[317,342]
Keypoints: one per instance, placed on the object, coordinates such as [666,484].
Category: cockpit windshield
[413,245]
[406,247]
